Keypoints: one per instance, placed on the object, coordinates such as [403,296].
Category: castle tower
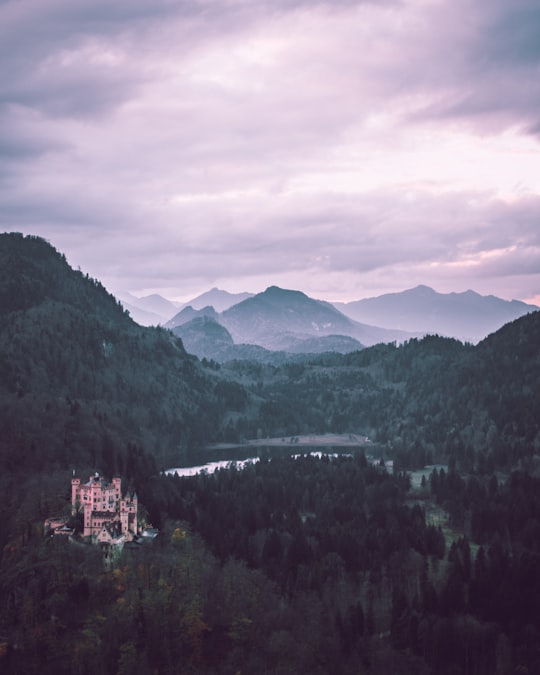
[128,514]
[117,482]
[87,520]
[133,515]
[75,495]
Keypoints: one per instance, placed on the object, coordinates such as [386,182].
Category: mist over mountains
[466,316]
[277,320]
[154,309]
[80,379]
[288,321]
[218,299]
[149,310]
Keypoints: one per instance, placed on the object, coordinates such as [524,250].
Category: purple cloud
[342,148]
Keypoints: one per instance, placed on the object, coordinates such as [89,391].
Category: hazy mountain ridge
[467,316]
[154,309]
[142,316]
[149,310]
[264,318]
[218,299]
[205,337]
[188,313]
[280,320]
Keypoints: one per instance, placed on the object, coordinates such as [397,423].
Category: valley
[270,337]
[373,534]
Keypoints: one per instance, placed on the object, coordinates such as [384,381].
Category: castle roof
[113,528]
[97,479]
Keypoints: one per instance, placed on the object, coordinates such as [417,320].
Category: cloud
[22,137]
[486,63]
[299,242]
[514,33]
[183,144]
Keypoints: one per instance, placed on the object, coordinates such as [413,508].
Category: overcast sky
[343,148]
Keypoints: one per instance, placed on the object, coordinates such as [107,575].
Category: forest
[293,565]
[296,564]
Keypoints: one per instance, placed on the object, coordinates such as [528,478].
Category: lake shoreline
[313,440]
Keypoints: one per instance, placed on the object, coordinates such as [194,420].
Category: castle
[108,518]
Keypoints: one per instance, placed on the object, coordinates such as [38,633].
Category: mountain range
[81,382]
[205,337]
[83,386]
[289,321]
[277,320]
[466,316]
[153,310]
[218,299]
[80,379]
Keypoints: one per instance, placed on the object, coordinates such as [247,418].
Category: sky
[345,149]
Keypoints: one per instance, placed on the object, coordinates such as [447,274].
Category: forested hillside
[82,384]
[429,399]
[293,565]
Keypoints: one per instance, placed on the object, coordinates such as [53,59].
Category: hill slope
[204,336]
[80,382]
[429,399]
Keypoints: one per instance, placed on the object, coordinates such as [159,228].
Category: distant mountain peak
[422,288]
[188,313]
[276,316]
[277,290]
[467,315]
[217,298]
[150,309]
[470,294]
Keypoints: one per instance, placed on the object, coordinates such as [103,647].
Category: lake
[224,457]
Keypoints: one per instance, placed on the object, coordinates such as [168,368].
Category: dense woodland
[292,565]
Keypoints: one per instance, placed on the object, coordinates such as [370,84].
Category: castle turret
[117,483]
[135,507]
[75,495]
